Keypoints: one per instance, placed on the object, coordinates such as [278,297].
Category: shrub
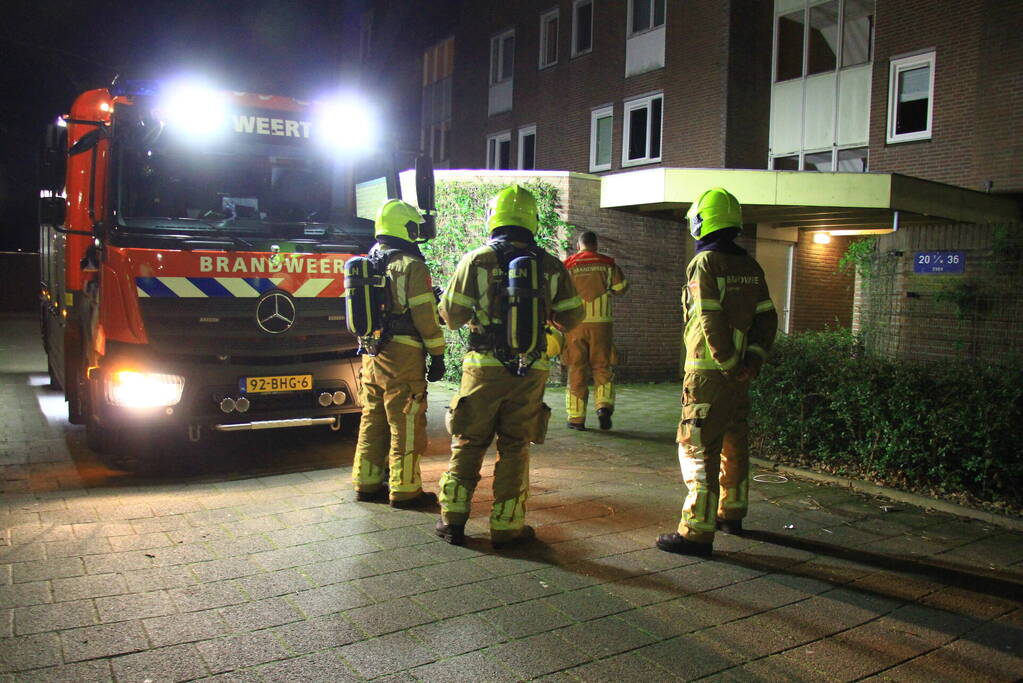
[952,428]
[461,227]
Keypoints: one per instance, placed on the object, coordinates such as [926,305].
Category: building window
[549,38]
[527,148]
[822,39]
[786,163]
[857,32]
[642,136]
[601,130]
[818,161]
[910,98]
[807,40]
[499,151]
[502,57]
[852,160]
[438,67]
[582,27]
[645,15]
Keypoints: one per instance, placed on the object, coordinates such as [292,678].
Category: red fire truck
[192,246]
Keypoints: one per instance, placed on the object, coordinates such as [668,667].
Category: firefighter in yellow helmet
[392,435]
[501,392]
[730,324]
[589,349]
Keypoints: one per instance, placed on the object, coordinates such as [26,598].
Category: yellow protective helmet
[514,205]
[398,219]
[714,210]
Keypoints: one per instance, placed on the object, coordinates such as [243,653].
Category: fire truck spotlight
[131,389]
[345,125]
[340,397]
[193,109]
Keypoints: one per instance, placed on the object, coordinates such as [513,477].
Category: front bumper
[207,385]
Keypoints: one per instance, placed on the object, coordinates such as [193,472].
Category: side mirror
[425,184]
[53,159]
[52,210]
[87,141]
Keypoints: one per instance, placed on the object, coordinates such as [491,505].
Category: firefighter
[393,430]
[730,324]
[589,348]
[499,395]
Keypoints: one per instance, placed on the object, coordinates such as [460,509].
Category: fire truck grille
[218,327]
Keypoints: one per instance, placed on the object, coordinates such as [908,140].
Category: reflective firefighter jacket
[597,278]
[473,297]
[728,312]
[413,306]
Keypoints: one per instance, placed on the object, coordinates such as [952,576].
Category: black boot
[729,526]
[425,499]
[452,533]
[578,426]
[677,543]
[604,417]
[378,496]
[526,535]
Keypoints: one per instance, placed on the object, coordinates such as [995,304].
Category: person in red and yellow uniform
[730,325]
[589,349]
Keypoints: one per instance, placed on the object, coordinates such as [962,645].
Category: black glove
[436,371]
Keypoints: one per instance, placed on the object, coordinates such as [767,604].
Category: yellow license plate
[280,383]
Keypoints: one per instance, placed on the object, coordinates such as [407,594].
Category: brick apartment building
[834,101]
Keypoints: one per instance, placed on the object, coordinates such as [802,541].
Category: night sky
[51,50]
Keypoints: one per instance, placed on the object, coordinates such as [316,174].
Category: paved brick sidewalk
[254,563]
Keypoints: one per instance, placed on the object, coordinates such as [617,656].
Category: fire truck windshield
[247,191]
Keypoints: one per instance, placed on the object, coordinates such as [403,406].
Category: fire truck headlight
[131,389]
[345,125]
[193,109]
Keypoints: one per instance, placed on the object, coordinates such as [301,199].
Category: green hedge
[950,428]
[461,227]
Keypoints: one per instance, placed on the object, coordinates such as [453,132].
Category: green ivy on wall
[461,227]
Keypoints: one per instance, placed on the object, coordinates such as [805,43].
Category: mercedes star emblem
[275,313]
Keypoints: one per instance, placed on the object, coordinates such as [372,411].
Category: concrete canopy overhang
[858,202]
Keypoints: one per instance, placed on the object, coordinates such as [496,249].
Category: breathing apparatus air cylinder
[525,314]
[365,298]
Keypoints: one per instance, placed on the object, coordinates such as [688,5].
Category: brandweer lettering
[264,125]
[256,264]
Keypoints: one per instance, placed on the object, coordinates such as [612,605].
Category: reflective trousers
[713,452]
[491,401]
[589,351]
[393,430]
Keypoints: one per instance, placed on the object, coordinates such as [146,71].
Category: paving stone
[177,663]
[207,596]
[454,573]
[385,655]
[605,636]
[689,657]
[47,569]
[272,584]
[286,558]
[322,666]
[450,602]
[77,547]
[29,652]
[387,617]
[338,571]
[185,628]
[624,667]
[588,603]
[458,635]
[96,671]
[134,606]
[518,588]
[158,578]
[55,616]
[295,536]
[246,545]
[219,570]
[329,599]
[470,668]
[316,634]
[23,594]
[537,655]
[102,641]
[526,618]
[251,616]
[236,652]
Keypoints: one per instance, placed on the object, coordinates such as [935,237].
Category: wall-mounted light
[821,238]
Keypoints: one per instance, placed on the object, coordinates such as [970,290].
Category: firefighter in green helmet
[501,391]
[730,324]
[392,435]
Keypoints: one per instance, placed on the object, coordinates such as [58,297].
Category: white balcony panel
[783,6]
[854,105]
[500,97]
[786,117]
[644,52]
[819,112]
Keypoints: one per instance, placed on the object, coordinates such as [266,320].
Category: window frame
[607,111]
[896,66]
[497,75]
[575,28]
[630,106]
[544,34]
[523,133]
[630,29]
[497,139]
